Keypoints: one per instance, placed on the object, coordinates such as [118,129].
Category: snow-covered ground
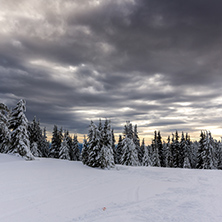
[60,191]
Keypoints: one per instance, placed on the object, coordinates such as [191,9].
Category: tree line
[27,139]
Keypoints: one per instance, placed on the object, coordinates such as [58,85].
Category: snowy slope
[60,190]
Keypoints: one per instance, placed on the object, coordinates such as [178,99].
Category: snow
[67,191]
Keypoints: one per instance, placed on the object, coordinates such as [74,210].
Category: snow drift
[61,190]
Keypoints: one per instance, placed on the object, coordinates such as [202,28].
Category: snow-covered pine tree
[142,150]
[44,144]
[85,151]
[146,156]
[208,154]
[64,149]
[155,160]
[35,137]
[201,150]
[175,147]
[113,144]
[5,134]
[119,150]
[136,141]
[107,157]
[185,146]
[219,155]
[130,155]
[94,146]
[160,149]
[75,148]
[182,150]
[20,144]
[56,142]
[168,153]
[34,150]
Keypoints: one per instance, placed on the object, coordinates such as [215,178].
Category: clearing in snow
[67,191]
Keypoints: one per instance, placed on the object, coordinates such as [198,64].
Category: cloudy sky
[156,63]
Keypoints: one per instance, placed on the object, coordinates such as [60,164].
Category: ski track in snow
[59,190]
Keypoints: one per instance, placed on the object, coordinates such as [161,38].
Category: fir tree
[142,151]
[160,149]
[107,156]
[56,142]
[85,151]
[75,147]
[146,157]
[5,135]
[64,150]
[155,160]
[130,155]
[175,147]
[94,146]
[168,154]
[201,150]
[44,144]
[136,141]
[35,137]
[20,144]
[119,150]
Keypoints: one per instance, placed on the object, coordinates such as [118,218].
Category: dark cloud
[156,63]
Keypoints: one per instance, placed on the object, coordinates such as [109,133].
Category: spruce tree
[75,148]
[85,151]
[146,156]
[107,156]
[119,150]
[201,150]
[56,142]
[168,154]
[160,149]
[44,144]
[94,146]
[130,155]
[35,137]
[136,141]
[155,160]
[20,144]
[64,149]
[5,135]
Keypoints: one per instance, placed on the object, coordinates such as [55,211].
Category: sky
[155,63]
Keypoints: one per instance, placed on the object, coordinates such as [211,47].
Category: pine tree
[175,147]
[201,150]
[136,141]
[119,150]
[56,142]
[208,154]
[185,146]
[64,150]
[94,146]
[142,151]
[5,135]
[155,160]
[168,154]
[75,147]
[44,144]
[20,144]
[146,157]
[107,156]
[34,150]
[182,150]
[130,155]
[160,149]
[35,137]
[85,151]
